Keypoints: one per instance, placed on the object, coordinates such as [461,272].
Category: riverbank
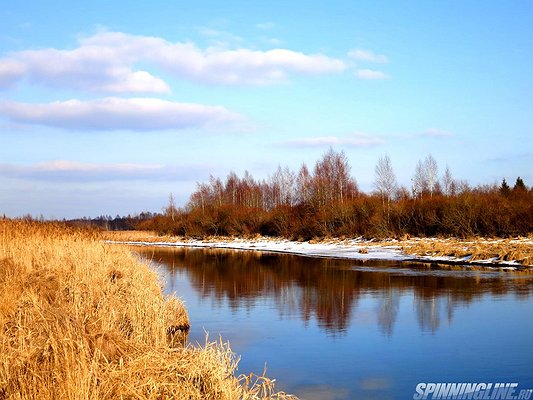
[81,319]
[508,254]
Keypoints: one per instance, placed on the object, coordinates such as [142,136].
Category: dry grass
[83,320]
[153,237]
[498,250]
[133,236]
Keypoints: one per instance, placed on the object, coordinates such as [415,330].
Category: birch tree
[431,174]
[419,180]
[303,185]
[385,182]
[282,184]
[448,183]
[331,179]
[171,209]
[230,189]
[425,178]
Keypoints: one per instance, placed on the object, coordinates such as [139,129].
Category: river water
[337,329]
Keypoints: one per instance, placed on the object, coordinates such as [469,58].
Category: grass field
[80,319]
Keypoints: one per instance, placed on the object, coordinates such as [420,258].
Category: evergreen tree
[504,188]
[519,185]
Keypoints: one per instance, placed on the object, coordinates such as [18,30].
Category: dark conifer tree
[519,185]
[504,188]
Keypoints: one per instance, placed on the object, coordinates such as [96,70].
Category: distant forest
[326,202]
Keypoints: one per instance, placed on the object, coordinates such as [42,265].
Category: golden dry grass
[133,236]
[498,250]
[80,319]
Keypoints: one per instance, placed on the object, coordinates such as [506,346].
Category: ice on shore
[355,249]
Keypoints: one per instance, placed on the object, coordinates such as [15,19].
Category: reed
[80,319]
[476,249]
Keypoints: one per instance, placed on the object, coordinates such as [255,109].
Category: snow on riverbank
[354,249]
[334,250]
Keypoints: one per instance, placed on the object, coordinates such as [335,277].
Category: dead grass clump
[81,319]
[131,236]
[479,249]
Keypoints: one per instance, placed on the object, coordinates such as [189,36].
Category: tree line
[325,201]
[107,222]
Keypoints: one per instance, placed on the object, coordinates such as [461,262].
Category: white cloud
[272,41]
[355,140]
[75,166]
[74,171]
[92,68]
[113,113]
[370,74]
[368,56]
[10,71]
[106,62]
[266,25]
[243,66]
[133,82]
[218,38]
[438,133]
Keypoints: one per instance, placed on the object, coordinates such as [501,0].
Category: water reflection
[329,290]
[388,307]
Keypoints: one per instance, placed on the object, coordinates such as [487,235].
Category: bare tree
[217,189]
[419,180]
[425,178]
[170,209]
[247,188]
[431,173]
[385,181]
[201,196]
[230,189]
[282,184]
[448,182]
[303,184]
[332,181]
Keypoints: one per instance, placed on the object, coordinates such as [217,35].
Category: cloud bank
[107,61]
[356,140]
[370,74]
[368,56]
[136,114]
[437,133]
[73,171]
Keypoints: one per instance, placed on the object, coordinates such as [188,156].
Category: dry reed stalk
[80,319]
[520,250]
[132,236]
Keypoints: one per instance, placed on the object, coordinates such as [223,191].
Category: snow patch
[353,249]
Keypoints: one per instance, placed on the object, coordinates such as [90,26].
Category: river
[339,329]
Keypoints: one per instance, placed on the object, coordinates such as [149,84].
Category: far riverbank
[506,254]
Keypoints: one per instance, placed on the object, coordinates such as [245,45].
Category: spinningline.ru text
[475,391]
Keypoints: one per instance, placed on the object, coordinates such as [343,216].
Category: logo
[475,391]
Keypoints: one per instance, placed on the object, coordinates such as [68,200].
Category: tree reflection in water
[329,289]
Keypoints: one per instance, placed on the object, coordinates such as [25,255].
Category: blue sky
[107,107]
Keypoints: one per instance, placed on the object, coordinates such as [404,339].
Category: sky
[107,107]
